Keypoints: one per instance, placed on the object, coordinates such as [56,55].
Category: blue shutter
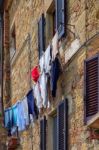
[41,37]
[62,126]
[43,134]
[61,17]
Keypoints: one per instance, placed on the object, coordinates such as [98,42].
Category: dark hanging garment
[43,134]
[55,72]
[32,108]
[62,125]
[36,111]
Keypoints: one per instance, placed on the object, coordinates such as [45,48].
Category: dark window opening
[54,22]
[41,35]
[13,38]
[13,43]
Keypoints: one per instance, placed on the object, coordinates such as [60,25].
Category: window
[50,23]
[91,91]
[58,128]
[13,43]
[56,20]
[52,131]
[41,37]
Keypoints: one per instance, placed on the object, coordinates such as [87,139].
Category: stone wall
[25,14]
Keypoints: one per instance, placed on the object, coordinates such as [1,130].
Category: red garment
[35,73]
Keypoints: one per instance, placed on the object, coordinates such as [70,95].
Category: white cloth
[42,63]
[43,87]
[48,60]
[37,95]
[55,46]
[25,109]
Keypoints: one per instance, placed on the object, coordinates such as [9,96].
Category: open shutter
[62,126]
[41,37]
[43,134]
[61,17]
[91,87]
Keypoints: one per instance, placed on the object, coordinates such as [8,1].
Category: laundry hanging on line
[18,116]
[28,108]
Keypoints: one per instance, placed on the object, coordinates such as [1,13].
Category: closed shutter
[41,37]
[91,87]
[62,126]
[61,17]
[43,134]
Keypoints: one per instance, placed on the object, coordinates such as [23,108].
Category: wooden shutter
[43,134]
[91,87]
[61,17]
[41,37]
[62,126]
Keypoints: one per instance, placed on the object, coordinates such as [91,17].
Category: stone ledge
[94,122]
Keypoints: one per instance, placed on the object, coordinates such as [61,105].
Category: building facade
[29,27]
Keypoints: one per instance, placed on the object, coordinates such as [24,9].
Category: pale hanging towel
[48,60]
[42,63]
[37,95]
[20,117]
[43,88]
[26,112]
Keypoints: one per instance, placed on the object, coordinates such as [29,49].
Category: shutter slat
[91,86]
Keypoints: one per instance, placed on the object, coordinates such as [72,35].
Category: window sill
[94,122]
